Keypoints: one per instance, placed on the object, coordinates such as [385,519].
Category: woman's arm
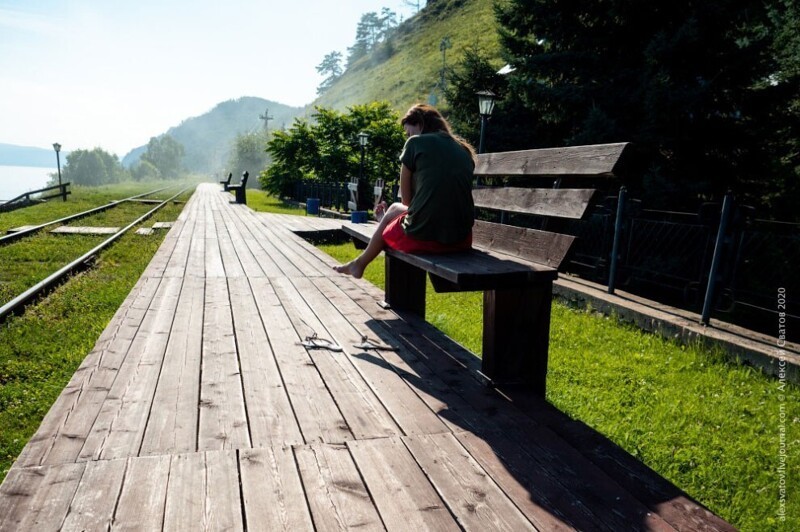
[406,185]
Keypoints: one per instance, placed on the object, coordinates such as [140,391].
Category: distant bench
[240,190]
[514,266]
[226,182]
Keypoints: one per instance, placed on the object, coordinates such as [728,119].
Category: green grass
[258,200]
[81,199]
[41,348]
[32,259]
[708,426]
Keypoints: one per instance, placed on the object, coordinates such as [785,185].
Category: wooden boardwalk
[198,409]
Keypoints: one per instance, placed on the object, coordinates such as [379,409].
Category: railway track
[33,293]
[17,235]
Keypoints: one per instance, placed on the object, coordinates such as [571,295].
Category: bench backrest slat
[542,247]
[595,160]
[562,203]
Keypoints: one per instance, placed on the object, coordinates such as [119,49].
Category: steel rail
[20,234]
[53,279]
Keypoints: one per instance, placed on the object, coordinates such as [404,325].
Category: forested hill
[207,138]
[405,67]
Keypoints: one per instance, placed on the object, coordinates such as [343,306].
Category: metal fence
[332,194]
[667,257]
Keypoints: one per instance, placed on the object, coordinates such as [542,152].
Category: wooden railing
[26,198]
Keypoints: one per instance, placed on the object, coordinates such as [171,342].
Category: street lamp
[57,147]
[486,99]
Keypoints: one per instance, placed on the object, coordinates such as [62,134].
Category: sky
[112,73]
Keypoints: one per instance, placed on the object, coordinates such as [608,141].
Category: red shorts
[396,238]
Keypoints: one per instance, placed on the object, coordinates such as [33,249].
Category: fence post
[712,275]
[612,273]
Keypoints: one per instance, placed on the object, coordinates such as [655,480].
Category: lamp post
[486,99]
[57,147]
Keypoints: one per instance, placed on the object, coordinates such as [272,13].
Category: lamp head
[57,147]
[486,100]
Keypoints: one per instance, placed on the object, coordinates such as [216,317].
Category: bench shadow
[560,472]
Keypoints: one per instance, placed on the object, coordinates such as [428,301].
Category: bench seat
[475,270]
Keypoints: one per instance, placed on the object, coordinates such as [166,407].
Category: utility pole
[266,118]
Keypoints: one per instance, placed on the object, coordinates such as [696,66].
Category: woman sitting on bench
[436,213]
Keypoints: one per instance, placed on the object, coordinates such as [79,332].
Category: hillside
[207,138]
[412,71]
[13,155]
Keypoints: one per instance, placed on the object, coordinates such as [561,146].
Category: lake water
[15,180]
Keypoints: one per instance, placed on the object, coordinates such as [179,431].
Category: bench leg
[516,335]
[405,286]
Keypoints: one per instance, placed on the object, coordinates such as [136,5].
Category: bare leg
[357,266]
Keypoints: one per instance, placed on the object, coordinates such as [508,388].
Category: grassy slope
[410,74]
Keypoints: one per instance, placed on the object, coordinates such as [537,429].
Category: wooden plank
[172,425]
[405,285]
[595,160]
[406,408]
[203,492]
[49,505]
[610,504]
[532,487]
[92,508]
[317,413]
[118,430]
[365,414]
[196,261]
[230,258]
[336,493]
[542,247]
[250,265]
[16,495]
[223,419]
[64,429]
[402,494]
[83,230]
[269,413]
[144,494]
[252,240]
[468,491]
[429,386]
[213,254]
[662,497]
[562,203]
[272,490]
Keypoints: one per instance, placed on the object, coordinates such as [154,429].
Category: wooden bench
[226,182]
[241,189]
[513,266]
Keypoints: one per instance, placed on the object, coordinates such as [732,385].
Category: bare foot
[353,268]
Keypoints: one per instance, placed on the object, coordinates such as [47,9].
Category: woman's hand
[380,210]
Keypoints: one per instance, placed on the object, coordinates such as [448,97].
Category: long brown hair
[431,120]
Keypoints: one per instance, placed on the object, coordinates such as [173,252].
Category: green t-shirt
[442,170]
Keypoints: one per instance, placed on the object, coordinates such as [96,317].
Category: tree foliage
[165,153]
[327,149]
[331,68]
[249,154]
[707,89]
[93,167]
[373,33]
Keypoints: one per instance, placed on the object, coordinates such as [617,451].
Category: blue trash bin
[358,217]
[312,206]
